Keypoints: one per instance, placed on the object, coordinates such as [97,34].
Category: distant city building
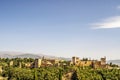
[1,70]
[28,65]
[76,61]
[37,63]
[85,62]
[20,65]
[11,63]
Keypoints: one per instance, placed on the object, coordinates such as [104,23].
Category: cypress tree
[74,76]
[60,75]
[35,74]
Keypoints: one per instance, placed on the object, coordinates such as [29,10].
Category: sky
[63,28]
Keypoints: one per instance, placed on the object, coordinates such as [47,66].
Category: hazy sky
[84,28]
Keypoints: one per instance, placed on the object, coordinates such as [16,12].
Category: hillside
[7,54]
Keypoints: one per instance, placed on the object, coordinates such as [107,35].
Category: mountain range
[6,54]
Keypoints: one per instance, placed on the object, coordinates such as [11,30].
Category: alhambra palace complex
[76,61]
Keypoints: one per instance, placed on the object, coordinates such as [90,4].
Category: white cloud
[112,22]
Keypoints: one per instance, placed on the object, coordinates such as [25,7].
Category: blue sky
[84,28]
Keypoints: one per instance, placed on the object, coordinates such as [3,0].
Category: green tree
[60,75]
[35,74]
[74,76]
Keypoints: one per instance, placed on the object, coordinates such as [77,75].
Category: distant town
[14,66]
[75,61]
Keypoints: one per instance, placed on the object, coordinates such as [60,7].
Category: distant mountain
[7,54]
[27,56]
[115,62]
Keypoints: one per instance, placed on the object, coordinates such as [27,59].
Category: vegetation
[55,73]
